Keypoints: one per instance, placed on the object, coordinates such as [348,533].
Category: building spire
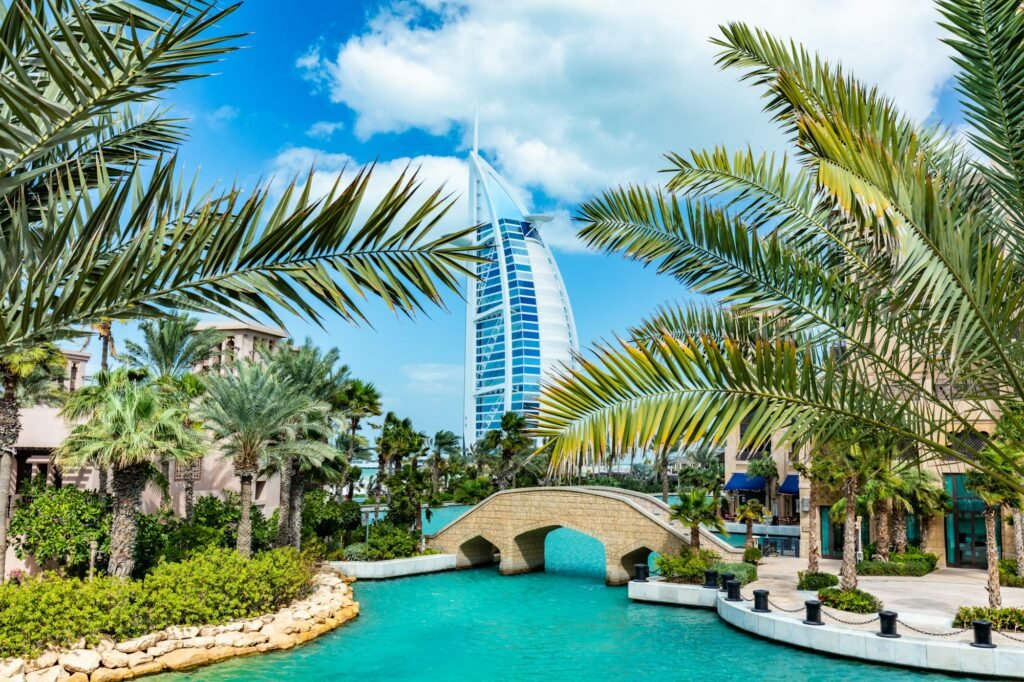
[476,127]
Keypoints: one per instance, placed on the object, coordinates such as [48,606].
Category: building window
[753,450]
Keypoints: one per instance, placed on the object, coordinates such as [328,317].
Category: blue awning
[791,486]
[744,482]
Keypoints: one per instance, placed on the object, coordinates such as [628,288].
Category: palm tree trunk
[695,536]
[101,483]
[10,427]
[351,489]
[995,597]
[750,534]
[813,533]
[848,572]
[244,542]
[284,508]
[899,528]
[190,498]
[296,500]
[128,484]
[165,494]
[435,475]
[884,527]
[1018,539]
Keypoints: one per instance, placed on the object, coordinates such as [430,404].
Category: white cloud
[222,115]
[324,129]
[434,379]
[576,95]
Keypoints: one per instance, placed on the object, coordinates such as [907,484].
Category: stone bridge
[514,524]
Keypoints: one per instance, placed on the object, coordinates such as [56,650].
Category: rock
[108,675]
[224,639]
[105,644]
[252,625]
[182,632]
[185,659]
[301,614]
[147,669]
[114,659]
[80,661]
[198,643]
[137,658]
[78,677]
[140,643]
[269,618]
[164,647]
[231,627]
[52,674]
[248,639]
[9,667]
[20,677]
[47,660]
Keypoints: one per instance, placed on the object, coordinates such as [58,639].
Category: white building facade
[519,324]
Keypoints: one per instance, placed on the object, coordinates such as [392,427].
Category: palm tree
[697,507]
[765,467]
[918,493]
[315,374]
[871,281]
[994,493]
[751,512]
[359,400]
[509,440]
[256,417]
[172,346]
[15,369]
[97,210]
[132,426]
[443,445]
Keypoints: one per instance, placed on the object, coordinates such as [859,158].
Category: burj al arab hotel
[519,323]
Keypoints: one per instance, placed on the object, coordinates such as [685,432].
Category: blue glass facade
[519,323]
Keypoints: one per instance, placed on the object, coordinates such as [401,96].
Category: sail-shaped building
[519,324]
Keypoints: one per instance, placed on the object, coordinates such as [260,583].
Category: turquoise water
[563,624]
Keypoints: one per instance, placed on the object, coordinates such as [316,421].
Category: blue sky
[574,96]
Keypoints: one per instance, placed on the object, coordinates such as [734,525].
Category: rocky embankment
[329,605]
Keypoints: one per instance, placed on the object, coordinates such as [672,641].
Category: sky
[574,96]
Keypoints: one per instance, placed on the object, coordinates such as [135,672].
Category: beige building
[43,430]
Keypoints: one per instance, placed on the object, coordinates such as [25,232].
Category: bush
[914,554]
[744,572]
[688,567]
[56,525]
[1006,618]
[325,517]
[358,551]
[388,541]
[1008,574]
[752,555]
[214,587]
[902,566]
[471,491]
[816,581]
[854,601]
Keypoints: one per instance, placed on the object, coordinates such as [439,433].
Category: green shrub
[56,525]
[752,555]
[915,555]
[905,568]
[325,517]
[816,581]
[388,541]
[471,491]
[688,567]
[1008,574]
[1006,618]
[358,551]
[854,601]
[213,587]
[744,572]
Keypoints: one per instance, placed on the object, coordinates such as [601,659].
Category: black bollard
[761,601]
[813,612]
[726,577]
[711,580]
[733,591]
[982,634]
[640,572]
[887,624]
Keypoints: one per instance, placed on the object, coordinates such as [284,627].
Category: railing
[780,546]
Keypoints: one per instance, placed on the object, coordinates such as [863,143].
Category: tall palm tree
[133,425]
[697,507]
[317,375]
[97,210]
[359,400]
[994,493]
[918,493]
[751,512]
[509,439]
[172,346]
[15,369]
[872,280]
[256,417]
[443,445]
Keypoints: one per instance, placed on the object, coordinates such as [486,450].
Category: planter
[396,568]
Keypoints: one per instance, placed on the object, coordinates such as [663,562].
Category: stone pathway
[927,602]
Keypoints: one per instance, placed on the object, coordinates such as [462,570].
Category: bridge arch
[629,525]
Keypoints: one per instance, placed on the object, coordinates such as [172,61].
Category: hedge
[1008,574]
[854,601]
[1005,618]
[213,587]
[816,581]
[913,563]
[745,573]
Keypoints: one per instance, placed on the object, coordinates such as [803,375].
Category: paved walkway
[929,602]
